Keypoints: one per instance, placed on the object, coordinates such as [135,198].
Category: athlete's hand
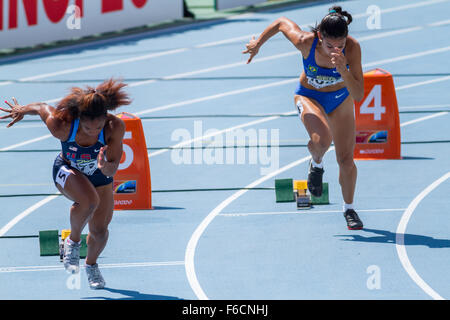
[101,158]
[252,49]
[16,112]
[339,61]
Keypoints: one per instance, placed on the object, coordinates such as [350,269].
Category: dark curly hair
[334,24]
[92,102]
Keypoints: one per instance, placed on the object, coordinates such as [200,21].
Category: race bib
[86,167]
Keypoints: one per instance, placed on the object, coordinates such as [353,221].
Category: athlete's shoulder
[352,44]
[309,37]
[306,43]
[60,128]
[114,126]
[114,121]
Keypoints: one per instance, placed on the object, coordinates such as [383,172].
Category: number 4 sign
[377,119]
[377,110]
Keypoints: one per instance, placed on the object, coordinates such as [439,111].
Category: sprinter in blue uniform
[330,82]
[91,141]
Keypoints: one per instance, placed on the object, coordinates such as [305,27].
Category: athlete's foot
[315,180]
[353,221]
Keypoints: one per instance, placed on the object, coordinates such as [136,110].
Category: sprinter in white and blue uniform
[91,141]
[332,79]
[83,159]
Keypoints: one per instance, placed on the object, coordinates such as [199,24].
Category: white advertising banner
[30,22]
[227,4]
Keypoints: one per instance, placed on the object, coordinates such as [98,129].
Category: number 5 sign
[132,183]
[377,119]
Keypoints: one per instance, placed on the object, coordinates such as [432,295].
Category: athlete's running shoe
[315,180]
[71,257]
[95,278]
[353,221]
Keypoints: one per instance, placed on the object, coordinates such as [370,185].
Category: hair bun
[336,9]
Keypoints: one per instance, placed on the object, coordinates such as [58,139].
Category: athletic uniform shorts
[61,171]
[328,100]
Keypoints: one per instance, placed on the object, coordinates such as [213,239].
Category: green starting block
[324,198]
[50,245]
[49,242]
[284,192]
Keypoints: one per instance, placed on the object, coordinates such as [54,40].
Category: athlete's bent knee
[320,143]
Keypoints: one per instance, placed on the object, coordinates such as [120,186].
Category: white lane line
[439,23]
[417,84]
[407,123]
[216,68]
[243,214]
[101,65]
[104,266]
[25,213]
[400,238]
[406,57]
[24,143]
[421,107]
[412,6]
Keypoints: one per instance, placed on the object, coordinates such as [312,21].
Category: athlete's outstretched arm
[290,30]
[46,112]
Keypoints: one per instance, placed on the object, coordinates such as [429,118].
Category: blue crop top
[84,159]
[320,77]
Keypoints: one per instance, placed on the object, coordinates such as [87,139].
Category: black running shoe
[315,180]
[353,221]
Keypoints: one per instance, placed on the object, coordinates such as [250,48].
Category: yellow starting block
[302,197]
[65,234]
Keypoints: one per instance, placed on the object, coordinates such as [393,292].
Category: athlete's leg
[315,120]
[342,125]
[98,224]
[85,201]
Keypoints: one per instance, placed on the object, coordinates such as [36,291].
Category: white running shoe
[71,256]
[95,278]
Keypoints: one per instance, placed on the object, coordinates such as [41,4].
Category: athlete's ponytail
[334,24]
[92,102]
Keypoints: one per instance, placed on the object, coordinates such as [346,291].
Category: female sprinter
[91,140]
[331,81]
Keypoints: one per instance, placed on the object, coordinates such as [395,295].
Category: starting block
[50,245]
[302,199]
[289,190]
